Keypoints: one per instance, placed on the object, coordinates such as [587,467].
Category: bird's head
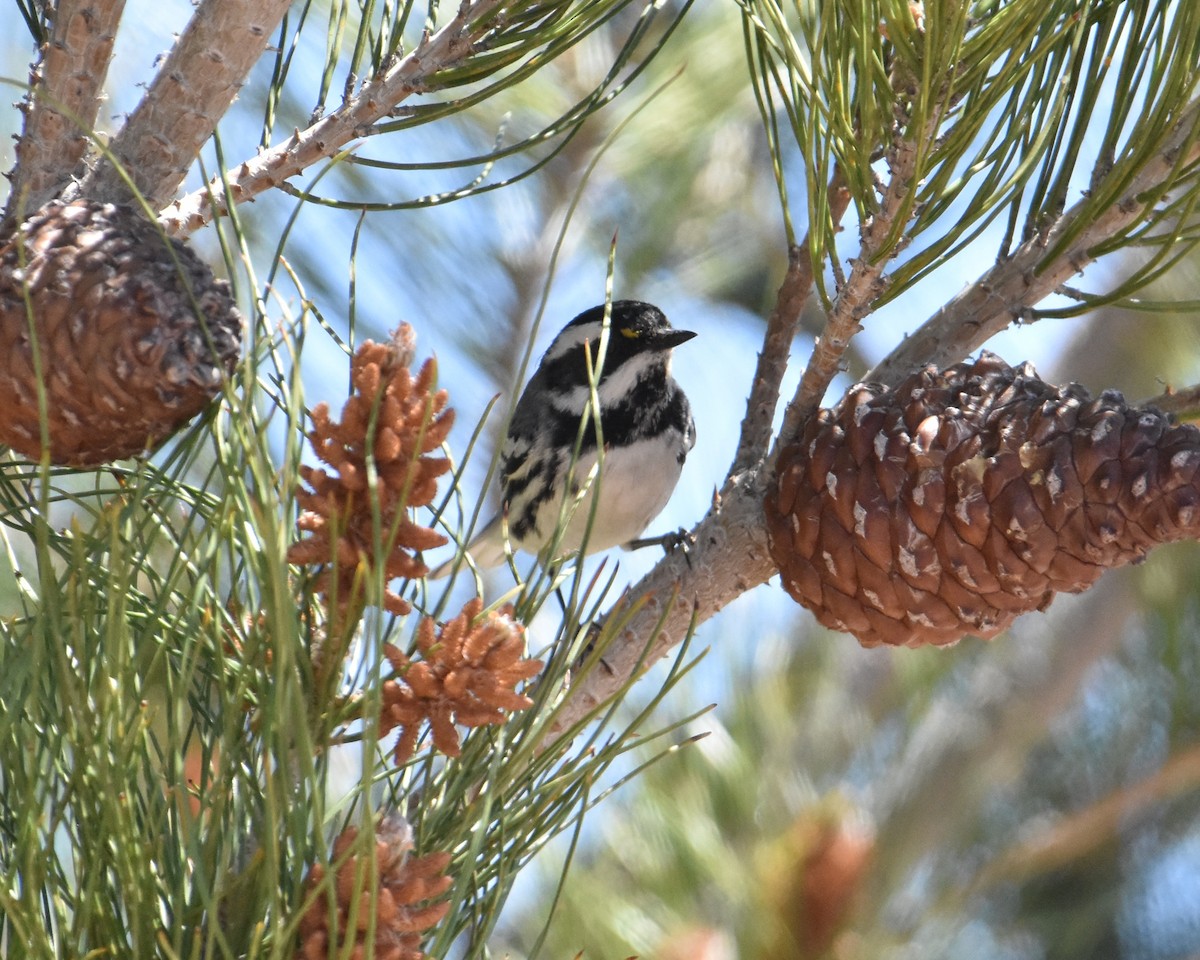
[639,336]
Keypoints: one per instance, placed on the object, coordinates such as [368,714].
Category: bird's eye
[629,333]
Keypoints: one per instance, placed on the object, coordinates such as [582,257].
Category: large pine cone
[134,334]
[961,499]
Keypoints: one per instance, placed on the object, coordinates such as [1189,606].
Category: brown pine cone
[134,335]
[395,915]
[961,499]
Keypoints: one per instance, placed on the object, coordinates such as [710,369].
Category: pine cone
[391,425]
[134,334]
[398,910]
[961,499]
[467,674]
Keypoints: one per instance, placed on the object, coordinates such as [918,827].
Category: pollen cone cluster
[397,420]
[398,910]
[467,675]
[961,499]
[133,334]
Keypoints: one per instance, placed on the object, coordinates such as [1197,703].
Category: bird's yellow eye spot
[629,333]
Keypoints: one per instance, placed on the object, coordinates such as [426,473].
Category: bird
[646,427]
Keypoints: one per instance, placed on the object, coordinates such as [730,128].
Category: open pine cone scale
[963,498]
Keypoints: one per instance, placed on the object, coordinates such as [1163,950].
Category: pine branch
[777,341]
[189,96]
[728,550]
[727,558]
[451,45]
[66,90]
[1069,840]
[1182,403]
[1007,291]
[881,240]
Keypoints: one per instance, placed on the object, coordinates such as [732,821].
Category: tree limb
[66,91]
[728,557]
[1002,294]
[450,45]
[189,96]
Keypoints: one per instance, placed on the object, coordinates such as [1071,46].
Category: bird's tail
[486,550]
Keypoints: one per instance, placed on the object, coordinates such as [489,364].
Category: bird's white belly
[634,486]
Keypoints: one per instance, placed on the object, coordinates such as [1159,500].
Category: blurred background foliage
[1033,797]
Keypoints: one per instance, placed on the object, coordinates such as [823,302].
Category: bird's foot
[670,542]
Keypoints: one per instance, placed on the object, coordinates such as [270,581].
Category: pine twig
[727,553]
[449,46]
[64,101]
[1074,837]
[989,305]
[863,284]
[190,94]
[777,341]
[1183,403]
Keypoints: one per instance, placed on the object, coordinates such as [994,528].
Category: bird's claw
[670,542]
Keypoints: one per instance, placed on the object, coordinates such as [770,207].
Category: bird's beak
[672,338]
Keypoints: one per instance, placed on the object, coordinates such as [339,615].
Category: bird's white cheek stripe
[572,339]
[611,392]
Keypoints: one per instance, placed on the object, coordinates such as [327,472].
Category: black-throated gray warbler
[645,422]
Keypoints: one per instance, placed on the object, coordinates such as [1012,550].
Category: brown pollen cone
[964,498]
[401,915]
[396,420]
[467,675]
[134,336]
